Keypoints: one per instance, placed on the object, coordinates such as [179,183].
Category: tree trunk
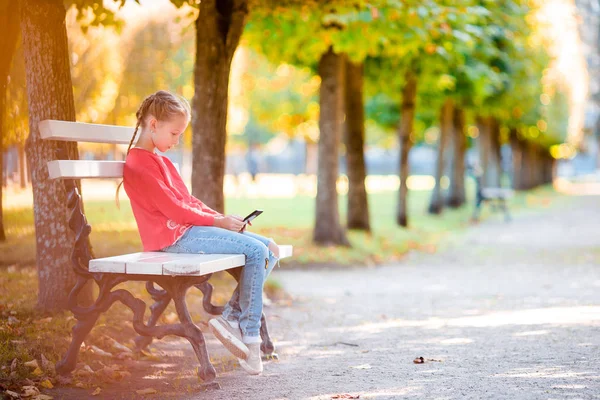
[517,150]
[2,232]
[358,209]
[446,125]
[489,150]
[311,160]
[328,230]
[405,129]
[456,195]
[494,169]
[50,96]
[218,30]
[9,12]
[22,167]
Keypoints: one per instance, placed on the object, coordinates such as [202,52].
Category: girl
[170,219]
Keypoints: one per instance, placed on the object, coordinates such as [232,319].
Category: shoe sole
[249,369]
[231,343]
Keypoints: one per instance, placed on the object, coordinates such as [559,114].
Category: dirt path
[508,311]
[512,312]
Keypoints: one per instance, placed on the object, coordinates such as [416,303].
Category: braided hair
[162,105]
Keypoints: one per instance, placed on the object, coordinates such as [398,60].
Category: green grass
[288,221]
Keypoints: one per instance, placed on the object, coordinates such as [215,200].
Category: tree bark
[2,231]
[358,208]
[489,150]
[446,125]
[405,129]
[456,194]
[9,12]
[50,96]
[22,167]
[328,230]
[518,161]
[218,30]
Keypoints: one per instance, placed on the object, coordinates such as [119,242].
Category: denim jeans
[246,303]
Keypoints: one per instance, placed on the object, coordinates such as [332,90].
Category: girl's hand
[229,222]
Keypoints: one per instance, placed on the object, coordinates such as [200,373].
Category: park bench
[174,273]
[497,197]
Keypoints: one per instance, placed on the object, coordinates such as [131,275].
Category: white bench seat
[173,264]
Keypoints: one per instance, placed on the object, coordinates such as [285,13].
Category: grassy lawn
[288,221]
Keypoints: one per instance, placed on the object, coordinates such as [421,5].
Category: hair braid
[162,105]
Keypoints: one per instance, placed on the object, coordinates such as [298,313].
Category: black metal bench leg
[266,346]
[80,332]
[207,289]
[162,300]
[194,335]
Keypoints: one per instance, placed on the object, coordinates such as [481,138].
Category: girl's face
[166,134]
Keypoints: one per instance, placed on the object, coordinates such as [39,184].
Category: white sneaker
[230,337]
[253,364]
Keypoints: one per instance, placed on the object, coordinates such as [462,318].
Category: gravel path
[508,311]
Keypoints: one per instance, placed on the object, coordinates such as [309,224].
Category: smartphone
[252,215]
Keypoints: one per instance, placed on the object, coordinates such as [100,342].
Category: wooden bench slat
[160,263]
[87,169]
[83,132]
[82,169]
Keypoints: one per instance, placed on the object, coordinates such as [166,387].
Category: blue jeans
[246,302]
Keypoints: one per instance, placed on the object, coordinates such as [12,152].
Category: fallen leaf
[96,392]
[37,372]
[43,320]
[12,395]
[363,366]
[29,391]
[124,355]
[147,391]
[80,385]
[32,364]
[118,346]
[84,372]
[124,374]
[12,320]
[100,352]
[13,365]
[46,384]
[419,360]
[48,366]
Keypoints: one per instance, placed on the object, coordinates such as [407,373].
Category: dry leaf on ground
[100,352]
[363,366]
[146,391]
[96,392]
[32,364]
[29,391]
[46,384]
[421,360]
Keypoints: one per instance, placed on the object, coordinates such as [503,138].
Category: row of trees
[386,61]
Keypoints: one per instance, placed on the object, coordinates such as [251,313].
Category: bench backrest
[91,133]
